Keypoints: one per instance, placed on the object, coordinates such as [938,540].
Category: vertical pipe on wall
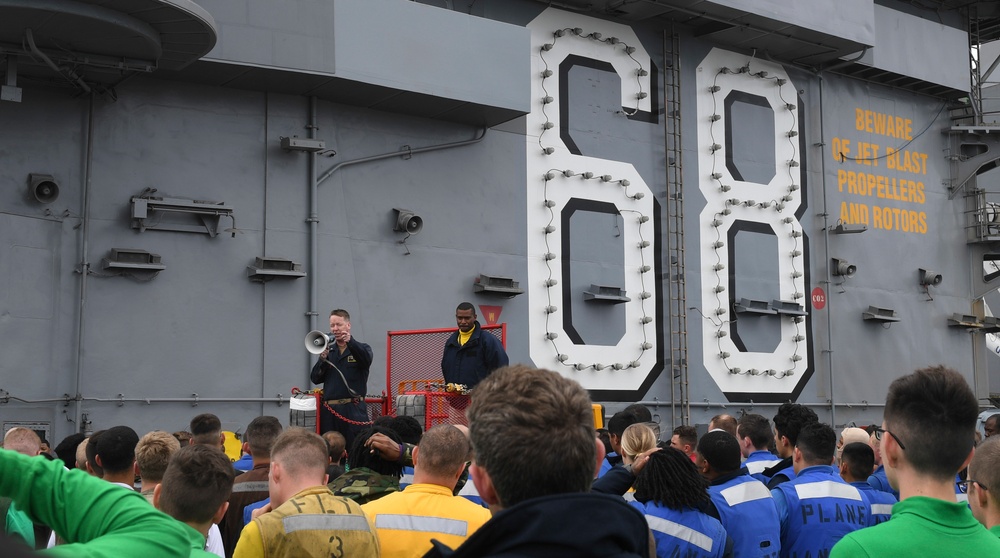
[826,254]
[826,234]
[84,268]
[263,290]
[313,221]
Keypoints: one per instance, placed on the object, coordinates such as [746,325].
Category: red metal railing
[414,360]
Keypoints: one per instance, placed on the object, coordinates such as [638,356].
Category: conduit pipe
[313,221]
[826,254]
[70,74]
[313,218]
[84,269]
[194,399]
[752,404]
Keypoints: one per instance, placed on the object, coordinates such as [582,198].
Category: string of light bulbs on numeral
[777,205]
[621,184]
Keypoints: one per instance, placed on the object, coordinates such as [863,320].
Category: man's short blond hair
[22,440]
[152,454]
[301,453]
[442,451]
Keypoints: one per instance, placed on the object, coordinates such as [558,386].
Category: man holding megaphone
[342,368]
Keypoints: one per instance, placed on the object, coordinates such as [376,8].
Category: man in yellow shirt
[470,354]
[304,518]
[407,521]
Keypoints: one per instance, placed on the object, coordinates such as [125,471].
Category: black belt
[342,401]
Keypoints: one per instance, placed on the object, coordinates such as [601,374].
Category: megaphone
[316,341]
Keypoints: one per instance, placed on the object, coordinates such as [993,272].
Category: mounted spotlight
[930,278]
[43,188]
[407,221]
[842,268]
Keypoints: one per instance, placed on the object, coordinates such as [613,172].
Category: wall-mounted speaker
[43,188]
[930,278]
[842,267]
[407,221]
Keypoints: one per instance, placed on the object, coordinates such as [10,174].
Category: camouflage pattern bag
[363,485]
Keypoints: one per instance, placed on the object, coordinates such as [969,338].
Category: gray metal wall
[201,327]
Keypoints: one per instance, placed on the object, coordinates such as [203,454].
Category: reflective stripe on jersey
[827,489]
[422,523]
[679,531]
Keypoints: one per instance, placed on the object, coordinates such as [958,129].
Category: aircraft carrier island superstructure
[709,206]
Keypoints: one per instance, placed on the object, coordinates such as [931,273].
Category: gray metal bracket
[264,269]
[877,314]
[749,306]
[965,321]
[495,285]
[964,167]
[607,294]
[788,308]
[210,213]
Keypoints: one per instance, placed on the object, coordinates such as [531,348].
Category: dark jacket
[248,488]
[353,362]
[779,473]
[469,364]
[616,481]
[566,525]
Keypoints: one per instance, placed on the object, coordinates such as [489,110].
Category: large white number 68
[731,199]
[557,177]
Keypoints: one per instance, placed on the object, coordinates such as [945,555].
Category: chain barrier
[317,393]
[345,419]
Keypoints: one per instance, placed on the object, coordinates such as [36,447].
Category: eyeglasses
[963,486]
[878,436]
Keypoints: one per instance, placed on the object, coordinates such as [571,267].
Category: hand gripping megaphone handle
[316,339]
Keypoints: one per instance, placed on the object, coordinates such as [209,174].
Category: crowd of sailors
[528,476]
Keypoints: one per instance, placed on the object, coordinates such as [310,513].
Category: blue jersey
[686,533]
[608,462]
[881,502]
[879,481]
[758,461]
[817,509]
[748,513]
